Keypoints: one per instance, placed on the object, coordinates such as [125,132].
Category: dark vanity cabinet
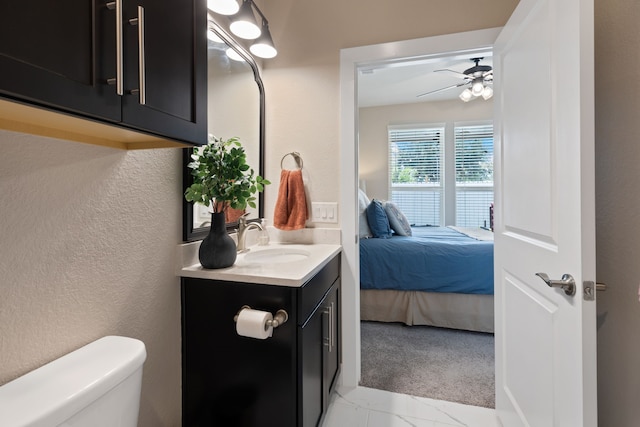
[284,380]
[65,56]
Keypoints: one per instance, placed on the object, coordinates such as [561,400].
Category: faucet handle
[242,220]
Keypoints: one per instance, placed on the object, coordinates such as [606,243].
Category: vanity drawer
[311,293]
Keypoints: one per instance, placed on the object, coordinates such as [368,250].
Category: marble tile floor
[367,407]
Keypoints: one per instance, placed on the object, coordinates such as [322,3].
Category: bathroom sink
[276,255]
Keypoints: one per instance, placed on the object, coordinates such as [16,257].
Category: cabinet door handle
[326,337]
[119,79]
[331,327]
[329,340]
[142,85]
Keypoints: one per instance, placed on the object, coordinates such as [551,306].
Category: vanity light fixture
[263,46]
[232,54]
[243,23]
[223,7]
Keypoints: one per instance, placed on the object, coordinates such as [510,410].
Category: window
[474,174]
[419,185]
[415,172]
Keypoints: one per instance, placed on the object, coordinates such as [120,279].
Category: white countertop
[293,274]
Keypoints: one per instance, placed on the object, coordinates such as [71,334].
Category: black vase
[217,250]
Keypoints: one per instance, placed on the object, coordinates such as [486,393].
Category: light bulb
[223,7]
[244,29]
[263,50]
[487,92]
[263,46]
[244,22]
[477,88]
[466,95]
[232,54]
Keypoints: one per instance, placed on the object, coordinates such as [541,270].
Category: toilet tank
[97,385]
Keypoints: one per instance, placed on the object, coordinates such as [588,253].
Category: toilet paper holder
[279,318]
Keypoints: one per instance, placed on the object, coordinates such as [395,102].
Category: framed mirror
[236,108]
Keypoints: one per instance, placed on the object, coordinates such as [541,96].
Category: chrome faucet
[243,227]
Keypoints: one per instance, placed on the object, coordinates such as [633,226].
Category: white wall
[302,82]
[89,237]
[373,133]
[617,42]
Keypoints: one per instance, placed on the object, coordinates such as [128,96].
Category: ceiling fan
[478,79]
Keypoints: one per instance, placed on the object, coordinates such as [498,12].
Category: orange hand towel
[291,206]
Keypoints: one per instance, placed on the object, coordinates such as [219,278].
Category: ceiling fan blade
[488,73]
[440,90]
[464,76]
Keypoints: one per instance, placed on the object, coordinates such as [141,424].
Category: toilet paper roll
[253,324]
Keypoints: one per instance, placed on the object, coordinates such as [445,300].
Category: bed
[438,276]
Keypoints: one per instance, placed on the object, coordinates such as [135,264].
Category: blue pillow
[378,220]
[398,222]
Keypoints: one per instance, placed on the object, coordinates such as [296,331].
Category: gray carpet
[438,363]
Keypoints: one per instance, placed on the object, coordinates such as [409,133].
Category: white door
[545,220]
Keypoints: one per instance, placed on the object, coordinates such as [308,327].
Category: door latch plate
[589,291]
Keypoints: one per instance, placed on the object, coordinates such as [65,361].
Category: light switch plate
[324,212]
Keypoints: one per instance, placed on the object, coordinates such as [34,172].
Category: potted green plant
[222,179]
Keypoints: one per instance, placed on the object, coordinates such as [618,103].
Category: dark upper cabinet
[175,61]
[61,55]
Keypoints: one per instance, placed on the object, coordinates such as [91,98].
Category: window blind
[474,174]
[415,172]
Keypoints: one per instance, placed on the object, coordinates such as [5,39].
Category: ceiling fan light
[466,95]
[244,23]
[487,92]
[223,7]
[477,88]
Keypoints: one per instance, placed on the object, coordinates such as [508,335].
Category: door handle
[567,283]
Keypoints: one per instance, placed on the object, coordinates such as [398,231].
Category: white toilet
[97,385]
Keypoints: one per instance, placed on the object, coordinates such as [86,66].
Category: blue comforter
[435,259]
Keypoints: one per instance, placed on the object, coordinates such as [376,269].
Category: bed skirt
[448,310]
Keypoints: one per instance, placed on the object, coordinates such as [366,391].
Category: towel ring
[296,157]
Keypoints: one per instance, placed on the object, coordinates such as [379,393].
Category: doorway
[352,60]
[428,159]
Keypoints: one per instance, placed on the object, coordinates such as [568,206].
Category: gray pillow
[397,220]
[363,202]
